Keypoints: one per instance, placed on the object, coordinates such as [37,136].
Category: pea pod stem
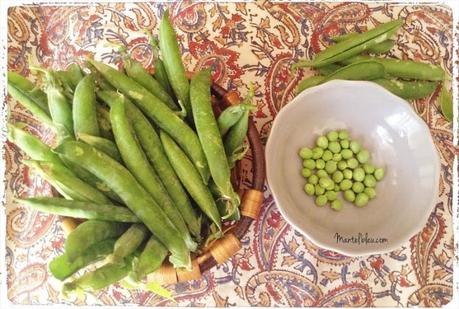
[79,209]
[133,194]
[209,136]
[151,144]
[136,161]
[405,69]
[190,179]
[157,111]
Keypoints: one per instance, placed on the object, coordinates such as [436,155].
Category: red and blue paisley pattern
[242,42]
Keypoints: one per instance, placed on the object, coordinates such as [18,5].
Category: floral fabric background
[242,42]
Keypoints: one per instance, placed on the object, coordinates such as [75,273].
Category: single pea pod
[209,135]
[137,72]
[103,120]
[160,70]
[79,209]
[24,98]
[102,144]
[59,107]
[190,179]
[65,181]
[309,82]
[173,64]
[235,147]
[162,115]
[363,70]
[133,195]
[137,163]
[151,258]
[379,48]
[128,242]
[151,144]
[446,103]
[89,233]
[71,76]
[99,278]
[405,69]
[328,69]
[354,46]
[408,90]
[32,91]
[61,268]
[31,145]
[84,107]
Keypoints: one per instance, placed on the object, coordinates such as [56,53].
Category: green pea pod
[31,145]
[151,144]
[34,93]
[25,100]
[160,71]
[190,179]
[309,82]
[446,103]
[128,242]
[209,135]
[89,233]
[363,70]
[405,69]
[65,181]
[133,194]
[151,258]
[358,44]
[162,115]
[234,141]
[61,268]
[102,144]
[328,69]
[72,75]
[84,107]
[408,90]
[137,163]
[78,209]
[173,64]
[379,48]
[137,72]
[99,278]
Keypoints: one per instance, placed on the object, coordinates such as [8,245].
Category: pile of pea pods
[349,59]
[141,158]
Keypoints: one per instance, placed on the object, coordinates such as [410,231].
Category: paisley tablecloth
[242,42]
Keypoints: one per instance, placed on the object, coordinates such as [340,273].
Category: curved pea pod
[406,69]
[151,258]
[33,92]
[31,145]
[89,233]
[65,182]
[137,72]
[446,103]
[133,195]
[162,115]
[84,107]
[190,179]
[173,64]
[209,135]
[409,90]
[309,82]
[358,44]
[99,278]
[235,147]
[128,242]
[61,268]
[102,144]
[151,144]
[79,209]
[25,100]
[137,163]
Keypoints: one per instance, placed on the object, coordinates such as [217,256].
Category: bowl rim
[400,241]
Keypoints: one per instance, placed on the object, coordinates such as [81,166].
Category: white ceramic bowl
[397,139]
